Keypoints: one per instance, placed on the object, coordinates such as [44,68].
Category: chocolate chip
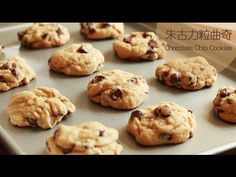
[189,110]
[127,39]
[146,34]
[133,80]
[116,95]
[101,132]
[174,78]
[192,80]
[21,34]
[32,121]
[164,74]
[14,65]
[105,25]
[224,93]
[82,50]
[2,79]
[163,111]
[44,35]
[152,43]
[219,111]
[87,147]
[165,136]
[14,72]
[136,114]
[89,26]
[92,30]
[202,68]
[68,149]
[133,35]
[190,135]
[230,101]
[97,79]
[5,66]
[59,31]
[150,52]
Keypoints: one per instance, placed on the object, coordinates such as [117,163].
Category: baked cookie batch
[158,124]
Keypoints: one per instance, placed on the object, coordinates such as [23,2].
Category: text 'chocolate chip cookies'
[187,73]
[118,89]
[77,60]
[225,104]
[140,46]
[164,123]
[43,107]
[99,31]
[15,72]
[88,138]
[44,35]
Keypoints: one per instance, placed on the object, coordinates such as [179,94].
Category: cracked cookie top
[118,89]
[84,139]
[15,72]
[44,35]
[43,107]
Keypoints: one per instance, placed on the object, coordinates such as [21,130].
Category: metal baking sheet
[212,135]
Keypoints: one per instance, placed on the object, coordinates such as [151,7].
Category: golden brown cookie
[97,31]
[225,104]
[44,35]
[15,72]
[163,123]
[77,60]
[140,46]
[84,139]
[43,107]
[187,73]
[118,89]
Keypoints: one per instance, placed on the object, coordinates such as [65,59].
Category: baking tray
[211,136]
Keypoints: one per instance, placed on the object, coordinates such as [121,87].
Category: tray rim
[14,149]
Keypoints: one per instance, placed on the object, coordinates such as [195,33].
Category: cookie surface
[77,60]
[84,139]
[225,104]
[163,123]
[15,72]
[187,73]
[96,31]
[44,35]
[118,89]
[42,106]
[140,46]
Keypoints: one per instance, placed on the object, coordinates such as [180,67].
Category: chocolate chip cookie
[163,123]
[96,31]
[140,46]
[44,35]
[225,104]
[77,60]
[118,89]
[187,73]
[43,107]
[84,139]
[15,72]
